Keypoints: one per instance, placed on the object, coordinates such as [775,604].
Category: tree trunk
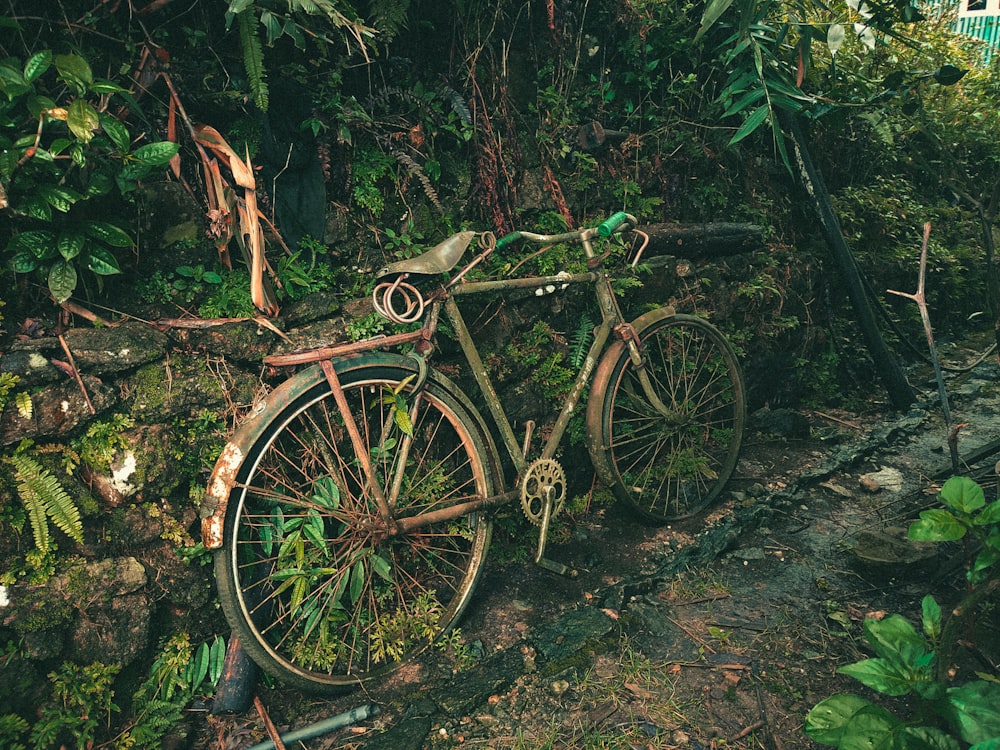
[701,241]
[889,370]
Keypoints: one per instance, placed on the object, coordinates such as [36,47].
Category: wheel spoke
[322,589]
[671,466]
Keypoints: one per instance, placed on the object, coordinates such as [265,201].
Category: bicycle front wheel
[668,456]
[320,592]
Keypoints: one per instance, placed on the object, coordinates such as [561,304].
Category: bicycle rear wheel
[320,594]
[668,463]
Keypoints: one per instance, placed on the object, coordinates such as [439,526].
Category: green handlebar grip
[609,225]
[508,239]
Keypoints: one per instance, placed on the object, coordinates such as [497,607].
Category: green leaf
[62,280]
[402,418]
[156,154]
[962,494]
[948,75]
[41,243]
[12,82]
[60,198]
[326,493]
[931,617]
[357,581]
[925,738]
[75,71]
[37,64]
[107,233]
[881,675]
[894,638]
[751,97]
[82,119]
[381,567]
[871,727]
[70,243]
[102,262]
[198,667]
[987,558]
[99,183]
[314,531]
[713,11]
[936,525]
[105,87]
[988,515]
[217,660]
[23,262]
[974,710]
[754,121]
[117,132]
[827,722]
[36,207]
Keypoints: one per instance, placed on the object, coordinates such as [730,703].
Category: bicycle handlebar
[605,229]
[613,222]
[508,239]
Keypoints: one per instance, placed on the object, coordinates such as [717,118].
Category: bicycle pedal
[557,567]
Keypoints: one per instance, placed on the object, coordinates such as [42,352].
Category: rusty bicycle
[351,511]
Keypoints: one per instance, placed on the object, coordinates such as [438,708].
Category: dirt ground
[728,647]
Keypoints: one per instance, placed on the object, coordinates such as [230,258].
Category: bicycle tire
[318,598]
[668,467]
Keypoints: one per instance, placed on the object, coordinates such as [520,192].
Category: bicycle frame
[612,324]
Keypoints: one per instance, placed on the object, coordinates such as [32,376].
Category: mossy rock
[183,387]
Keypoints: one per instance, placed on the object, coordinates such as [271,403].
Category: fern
[581,340]
[253,60]
[7,383]
[44,498]
[24,406]
[415,169]
[389,17]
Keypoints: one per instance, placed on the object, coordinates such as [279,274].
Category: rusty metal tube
[361,713]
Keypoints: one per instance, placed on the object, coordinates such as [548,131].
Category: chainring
[544,476]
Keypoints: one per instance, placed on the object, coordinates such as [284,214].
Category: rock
[103,603]
[884,479]
[56,411]
[115,349]
[30,366]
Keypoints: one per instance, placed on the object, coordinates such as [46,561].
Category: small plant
[44,500]
[181,672]
[193,277]
[909,662]
[59,150]
[103,439]
[83,702]
[367,327]
[298,276]
[80,711]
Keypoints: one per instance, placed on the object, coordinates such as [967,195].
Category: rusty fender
[261,419]
[220,484]
[599,386]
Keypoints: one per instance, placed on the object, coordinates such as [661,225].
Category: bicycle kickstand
[543,533]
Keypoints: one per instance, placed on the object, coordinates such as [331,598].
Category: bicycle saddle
[439,259]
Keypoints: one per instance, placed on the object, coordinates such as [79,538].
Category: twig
[748,730]
[76,374]
[692,636]
[272,732]
[919,298]
[83,312]
[824,415]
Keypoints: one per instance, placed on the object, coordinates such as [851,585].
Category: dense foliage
[366,131]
